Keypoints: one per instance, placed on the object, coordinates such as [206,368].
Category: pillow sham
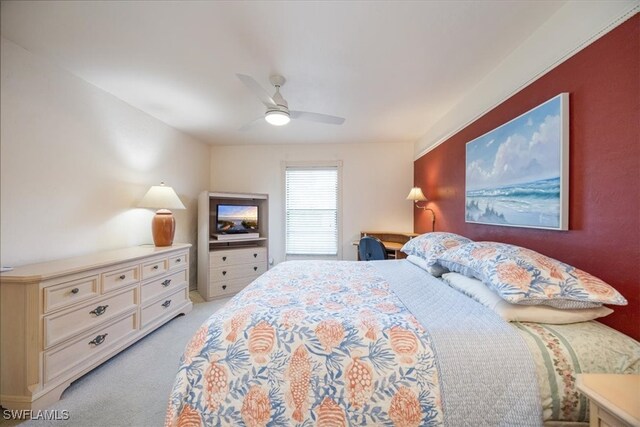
[523,276]
[429,246]
[435,270]
[475,289]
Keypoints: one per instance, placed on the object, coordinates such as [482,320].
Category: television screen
[236,219]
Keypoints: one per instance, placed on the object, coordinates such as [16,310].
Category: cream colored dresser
[63,318]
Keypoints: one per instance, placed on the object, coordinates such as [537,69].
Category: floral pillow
[523,276]
[430,246]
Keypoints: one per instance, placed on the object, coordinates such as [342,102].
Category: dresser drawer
[116,279]
[64,294]
[164,306]
[154,268]
[58,327]
[229,287]
[178,261]
[163,285]
[237,256]
[237,271]
[74,356]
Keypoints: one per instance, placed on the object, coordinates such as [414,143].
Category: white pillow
[477,290]
[435,270]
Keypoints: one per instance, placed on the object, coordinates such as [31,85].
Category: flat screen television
[237,219]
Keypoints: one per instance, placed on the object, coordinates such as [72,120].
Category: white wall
[75,161]
[375,181]
[573,27]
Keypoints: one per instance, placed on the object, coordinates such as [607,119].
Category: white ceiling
[391,68]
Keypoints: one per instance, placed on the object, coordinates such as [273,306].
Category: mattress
[380,343]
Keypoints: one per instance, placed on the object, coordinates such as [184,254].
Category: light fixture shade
[161,197]
[416,195]
[277,118]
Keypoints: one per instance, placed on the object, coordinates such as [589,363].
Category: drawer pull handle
[99,310]
[255,255]
[98,340]
[178,260]
[166,304]
[155,267]
[255,268]
[224,258]
[224,287]
[122,277]
[224,273]
[75,291]
[166,283]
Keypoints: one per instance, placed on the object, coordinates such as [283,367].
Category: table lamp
[417,195]
[163,225]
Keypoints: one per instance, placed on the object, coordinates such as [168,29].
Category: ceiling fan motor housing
[278,81]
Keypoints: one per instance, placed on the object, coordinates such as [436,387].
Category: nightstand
[614,400]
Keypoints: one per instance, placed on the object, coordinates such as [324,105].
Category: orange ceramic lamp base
[163,228]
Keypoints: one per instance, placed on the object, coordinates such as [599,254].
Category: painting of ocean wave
[517,174]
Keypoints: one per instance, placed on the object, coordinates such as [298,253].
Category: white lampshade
[277,118]
[161,197]
[416,195]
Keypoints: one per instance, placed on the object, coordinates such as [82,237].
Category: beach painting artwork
[517,175]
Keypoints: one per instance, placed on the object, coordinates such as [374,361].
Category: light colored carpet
[132,388]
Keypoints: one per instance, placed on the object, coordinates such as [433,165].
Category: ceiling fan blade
[257,90]
[316,117]
[251,124]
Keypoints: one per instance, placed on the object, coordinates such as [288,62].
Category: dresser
[233,269]
[60,319]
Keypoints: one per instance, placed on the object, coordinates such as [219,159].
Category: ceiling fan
[278,113]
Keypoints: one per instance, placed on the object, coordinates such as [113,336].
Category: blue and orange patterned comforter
[345,351]
[342,343]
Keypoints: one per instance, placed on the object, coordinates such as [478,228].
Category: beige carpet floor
[132,388]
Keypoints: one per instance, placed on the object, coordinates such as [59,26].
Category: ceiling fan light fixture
[277,118]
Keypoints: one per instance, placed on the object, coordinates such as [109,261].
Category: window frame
[311,165]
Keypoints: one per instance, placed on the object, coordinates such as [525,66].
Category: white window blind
[311,210]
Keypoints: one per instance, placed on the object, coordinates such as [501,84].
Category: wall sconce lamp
[417,195]
[163,225]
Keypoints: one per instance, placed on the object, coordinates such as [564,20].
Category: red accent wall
[603,82]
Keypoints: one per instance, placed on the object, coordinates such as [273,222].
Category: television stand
[226,266]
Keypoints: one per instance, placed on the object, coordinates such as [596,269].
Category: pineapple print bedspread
[310,343]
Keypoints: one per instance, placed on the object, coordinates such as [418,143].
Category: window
[312,210]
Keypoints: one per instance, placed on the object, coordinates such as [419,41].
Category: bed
[336,343]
